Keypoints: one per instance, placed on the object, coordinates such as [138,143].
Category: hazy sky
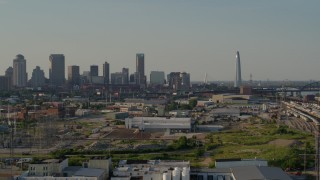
[277,39]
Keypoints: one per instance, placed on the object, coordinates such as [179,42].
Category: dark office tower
[156,77]
[5,84]
[57,69]
[125,75]
[73,75]
[140,76]
[185,81]
[37,79]
[106,73]
[116,78]
[132,78]
[174,80]
[19,71]
[94,70]
[9,74]
[238,81]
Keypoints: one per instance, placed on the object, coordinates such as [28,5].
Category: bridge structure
[311,87]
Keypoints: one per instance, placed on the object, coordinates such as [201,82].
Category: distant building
[239,173]
[96,168]
[132,78]
[226,112]
[99,162]
[106,72]
[120,77]
[116,78]
[308,98]
[157,78]
[9,73]
[152,170]
[174,80]
[159,123]
[85,77]
[74,75]
[38,79]
[185,81]
[245,90]
[125,75]
[140,77]
[94,70]
[97,80]
[47,167]
[5,83]
[179,80]
[57,69]
[20,71]
[231,98]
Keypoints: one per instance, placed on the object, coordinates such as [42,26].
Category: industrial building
[152,170]
[159,123]
[47,167]
[239,173]
[96,168]
[180,170]
[231,98]
[225,112]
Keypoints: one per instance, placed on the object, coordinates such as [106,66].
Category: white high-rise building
[238,80]
[19,71]
[37,78]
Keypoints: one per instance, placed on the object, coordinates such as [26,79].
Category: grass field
[278,144]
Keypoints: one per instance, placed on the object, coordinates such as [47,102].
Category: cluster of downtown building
[17,77]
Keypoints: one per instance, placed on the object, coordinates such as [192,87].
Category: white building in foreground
[152,170]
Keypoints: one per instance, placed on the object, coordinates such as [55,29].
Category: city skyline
[276,39]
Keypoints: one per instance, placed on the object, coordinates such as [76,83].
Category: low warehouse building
[159,123]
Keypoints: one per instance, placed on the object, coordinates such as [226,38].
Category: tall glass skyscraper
[238,80]
[106,72]
[140,76]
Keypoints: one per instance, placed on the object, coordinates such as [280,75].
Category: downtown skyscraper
[73,75]
[19,71]
[238,80]
[57,69]
[140,77]
[106,73]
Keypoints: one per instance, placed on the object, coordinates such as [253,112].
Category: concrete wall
[105,164]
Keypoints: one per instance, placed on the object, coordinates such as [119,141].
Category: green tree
[193,103]
[172,106]
[183,142]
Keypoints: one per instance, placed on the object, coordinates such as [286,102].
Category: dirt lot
[284,142]
[121,133]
